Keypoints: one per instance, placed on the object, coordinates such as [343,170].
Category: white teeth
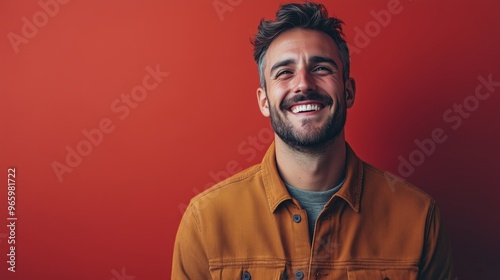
[305,108]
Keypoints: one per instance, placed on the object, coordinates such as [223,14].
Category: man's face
[305,94]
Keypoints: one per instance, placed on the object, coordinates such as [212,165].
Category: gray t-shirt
[313,202]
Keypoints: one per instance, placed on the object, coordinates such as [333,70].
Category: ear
[263,102]
[350,92]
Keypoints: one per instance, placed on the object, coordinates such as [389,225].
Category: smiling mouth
[304,108]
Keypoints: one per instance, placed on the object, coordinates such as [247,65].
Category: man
[312,209]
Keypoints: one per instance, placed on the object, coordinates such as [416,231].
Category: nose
[304,81]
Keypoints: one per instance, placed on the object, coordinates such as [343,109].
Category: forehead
[301,43]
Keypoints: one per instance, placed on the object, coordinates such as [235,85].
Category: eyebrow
[282,63]
[313,59]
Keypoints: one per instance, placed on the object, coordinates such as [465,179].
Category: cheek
[334,87]
[277,92]
[333,82]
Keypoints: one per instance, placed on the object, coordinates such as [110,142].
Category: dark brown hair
[307,16]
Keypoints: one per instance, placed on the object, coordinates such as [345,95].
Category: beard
[312,140]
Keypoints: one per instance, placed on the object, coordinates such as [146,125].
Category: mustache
[311,96]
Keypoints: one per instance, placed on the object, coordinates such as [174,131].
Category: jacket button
[246,276]
[299,274]
[297,218]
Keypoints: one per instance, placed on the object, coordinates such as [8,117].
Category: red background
[120,207]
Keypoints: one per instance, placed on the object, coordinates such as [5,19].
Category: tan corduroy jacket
[249,227]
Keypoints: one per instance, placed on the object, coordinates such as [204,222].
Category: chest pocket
[249,273]
[383,274]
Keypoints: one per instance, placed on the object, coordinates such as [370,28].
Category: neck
[312,171]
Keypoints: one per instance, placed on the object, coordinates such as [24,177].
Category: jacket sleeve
[190,260]
[436,262]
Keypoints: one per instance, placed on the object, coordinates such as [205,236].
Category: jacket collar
[277,193]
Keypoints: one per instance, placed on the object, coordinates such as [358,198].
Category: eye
[283,73]
[322,69]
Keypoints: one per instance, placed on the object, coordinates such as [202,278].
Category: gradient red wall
[71,69]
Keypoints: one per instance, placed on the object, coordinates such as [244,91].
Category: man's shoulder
[231,187]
